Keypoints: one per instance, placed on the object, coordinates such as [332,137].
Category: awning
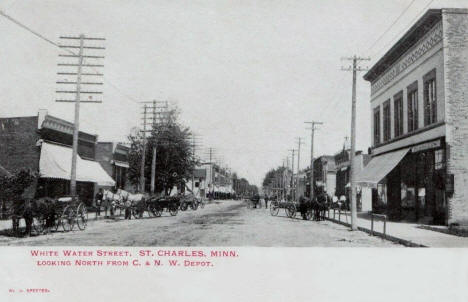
[121,164]
[379,167]
[55,162]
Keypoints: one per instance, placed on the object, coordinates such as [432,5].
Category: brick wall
[455,40]
[18,137]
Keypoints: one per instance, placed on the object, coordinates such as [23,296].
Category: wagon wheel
[135,212]
[173,210]
[291,211]
[194,205]
[82,216]
[150,210]
[157,211]
[274,209]
[68,219]
[183,206]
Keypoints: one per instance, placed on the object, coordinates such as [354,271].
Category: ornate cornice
[433,37]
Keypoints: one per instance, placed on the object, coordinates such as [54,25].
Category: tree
[174,160]
[12,186]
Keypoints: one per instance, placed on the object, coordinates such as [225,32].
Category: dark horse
[42,209]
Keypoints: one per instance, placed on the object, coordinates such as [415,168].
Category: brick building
[419,169]
[43,143]
[325,175]
[113,158]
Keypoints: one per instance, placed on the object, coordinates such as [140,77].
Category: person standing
[266,201]
[99,197]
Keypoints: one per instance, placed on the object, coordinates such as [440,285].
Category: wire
[405,28]
[391,25]
[69,51]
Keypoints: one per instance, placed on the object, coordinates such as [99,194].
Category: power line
[405,28]
[391,25]
[2,13]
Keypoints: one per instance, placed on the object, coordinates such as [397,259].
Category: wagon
[157,206]
[190,201]
[291,208]
[68,211]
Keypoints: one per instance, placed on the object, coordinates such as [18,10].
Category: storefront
[409,184]
[55,172]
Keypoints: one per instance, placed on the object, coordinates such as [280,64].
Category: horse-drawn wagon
[45,214]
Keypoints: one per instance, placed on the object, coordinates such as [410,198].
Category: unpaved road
[223,223]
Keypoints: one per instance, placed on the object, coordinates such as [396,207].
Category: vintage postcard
[234,150]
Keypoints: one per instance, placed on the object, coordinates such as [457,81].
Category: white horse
[111,201]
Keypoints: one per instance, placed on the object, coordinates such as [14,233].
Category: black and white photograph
[222,133]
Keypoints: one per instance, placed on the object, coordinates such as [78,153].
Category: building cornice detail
[432,38]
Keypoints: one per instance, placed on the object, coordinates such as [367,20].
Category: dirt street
[221,223]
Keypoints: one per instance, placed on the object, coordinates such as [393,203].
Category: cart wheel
[150,210]
[82,216]
[194,205]
[291,211]
[68,219]
[274,209]
[183,206]
[157,211]
[173,211]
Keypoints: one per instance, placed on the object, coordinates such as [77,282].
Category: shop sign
[426,146]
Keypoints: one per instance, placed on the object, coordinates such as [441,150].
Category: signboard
[426,146]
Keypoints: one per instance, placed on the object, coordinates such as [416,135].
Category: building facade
[419,120]
[43,144]
[325,175]
[113,157]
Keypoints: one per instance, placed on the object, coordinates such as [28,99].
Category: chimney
[41,114]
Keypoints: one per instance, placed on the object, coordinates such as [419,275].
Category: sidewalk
[410,234]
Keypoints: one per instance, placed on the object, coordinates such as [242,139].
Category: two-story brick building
[419,107]
[113,158]
[43,143]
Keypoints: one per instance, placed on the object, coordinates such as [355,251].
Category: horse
[136,201]
[110,201]
[42,209]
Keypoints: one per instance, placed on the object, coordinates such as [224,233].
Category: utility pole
[354,68]
[299,143]
[78,92]
[143,153]
[154,115]
[313,124]
[292,176]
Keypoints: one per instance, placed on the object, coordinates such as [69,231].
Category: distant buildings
[419,113]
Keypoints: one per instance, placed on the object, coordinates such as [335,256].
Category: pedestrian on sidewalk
[99,197]
[266,201]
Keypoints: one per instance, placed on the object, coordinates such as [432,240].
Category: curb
[402,241]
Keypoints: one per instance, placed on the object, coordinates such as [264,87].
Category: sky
[246,75]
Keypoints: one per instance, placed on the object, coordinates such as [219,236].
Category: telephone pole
[70,55]
[154,115]
[299,143]
[354,68]
[292,176]
[313,124]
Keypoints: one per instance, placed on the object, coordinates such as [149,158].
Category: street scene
[222,223]
[203,125]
